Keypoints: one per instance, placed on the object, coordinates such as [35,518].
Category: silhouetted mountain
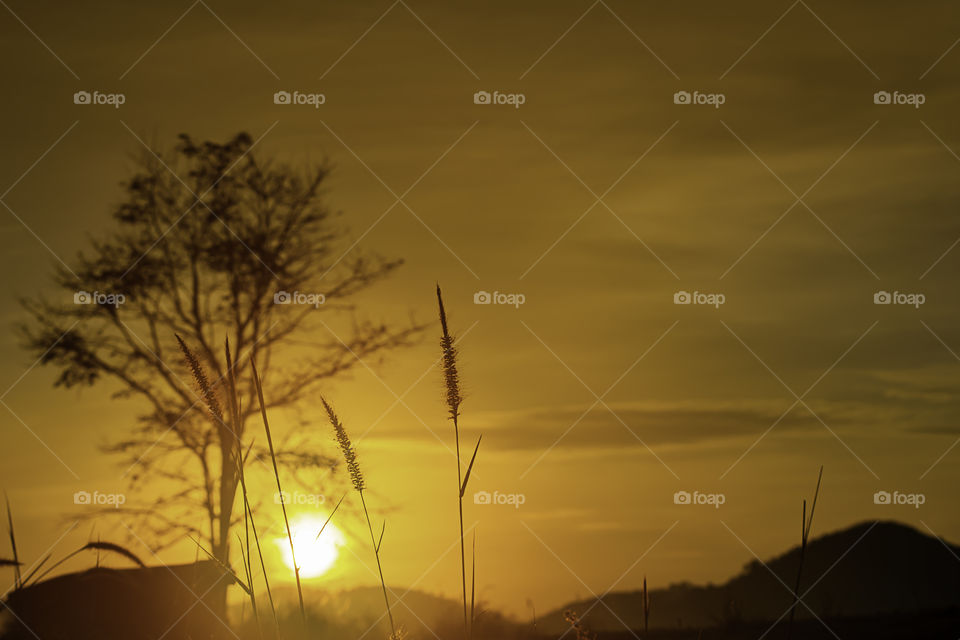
[869,569]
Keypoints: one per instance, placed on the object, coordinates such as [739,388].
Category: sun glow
[315,555]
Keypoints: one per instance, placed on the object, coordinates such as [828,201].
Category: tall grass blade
[805,527]
[246,570]
[225,568]
[13,544]
[46,558]
[473,577]
[113,548]
[330,517]
[276,474]
[240,457]
[99,546]
[466,476]
[813,505]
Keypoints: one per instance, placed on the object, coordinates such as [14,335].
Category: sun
[315,555]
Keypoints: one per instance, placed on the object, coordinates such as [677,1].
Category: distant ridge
[879,568]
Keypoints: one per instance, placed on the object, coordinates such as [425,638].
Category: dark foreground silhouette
[172,602]
[875,580]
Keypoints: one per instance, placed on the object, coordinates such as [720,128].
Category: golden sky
[597,199]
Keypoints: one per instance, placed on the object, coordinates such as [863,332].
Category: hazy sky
[598,199]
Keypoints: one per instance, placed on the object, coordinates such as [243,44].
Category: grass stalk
[276,474]
[330,517]
[376,553]
[213,405]
[356,478]
[646,607]
[805,526]
[248,521]
[97,546]
[263,568]
[244,558]
[454,398]
[225,568]
[13,545]
[26,579]
[473,581]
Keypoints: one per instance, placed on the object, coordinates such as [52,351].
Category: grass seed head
[449,360]
[349,453]
[209,397]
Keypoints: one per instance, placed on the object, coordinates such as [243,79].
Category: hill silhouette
[871,569]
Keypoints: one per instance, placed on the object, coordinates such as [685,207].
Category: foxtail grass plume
[449,358]
[349,453]
[209,397]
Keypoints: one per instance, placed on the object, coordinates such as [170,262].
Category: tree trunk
[228,492]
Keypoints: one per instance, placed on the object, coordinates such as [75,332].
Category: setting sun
[314,555]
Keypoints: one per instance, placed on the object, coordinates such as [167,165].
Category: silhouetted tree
[208,237]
